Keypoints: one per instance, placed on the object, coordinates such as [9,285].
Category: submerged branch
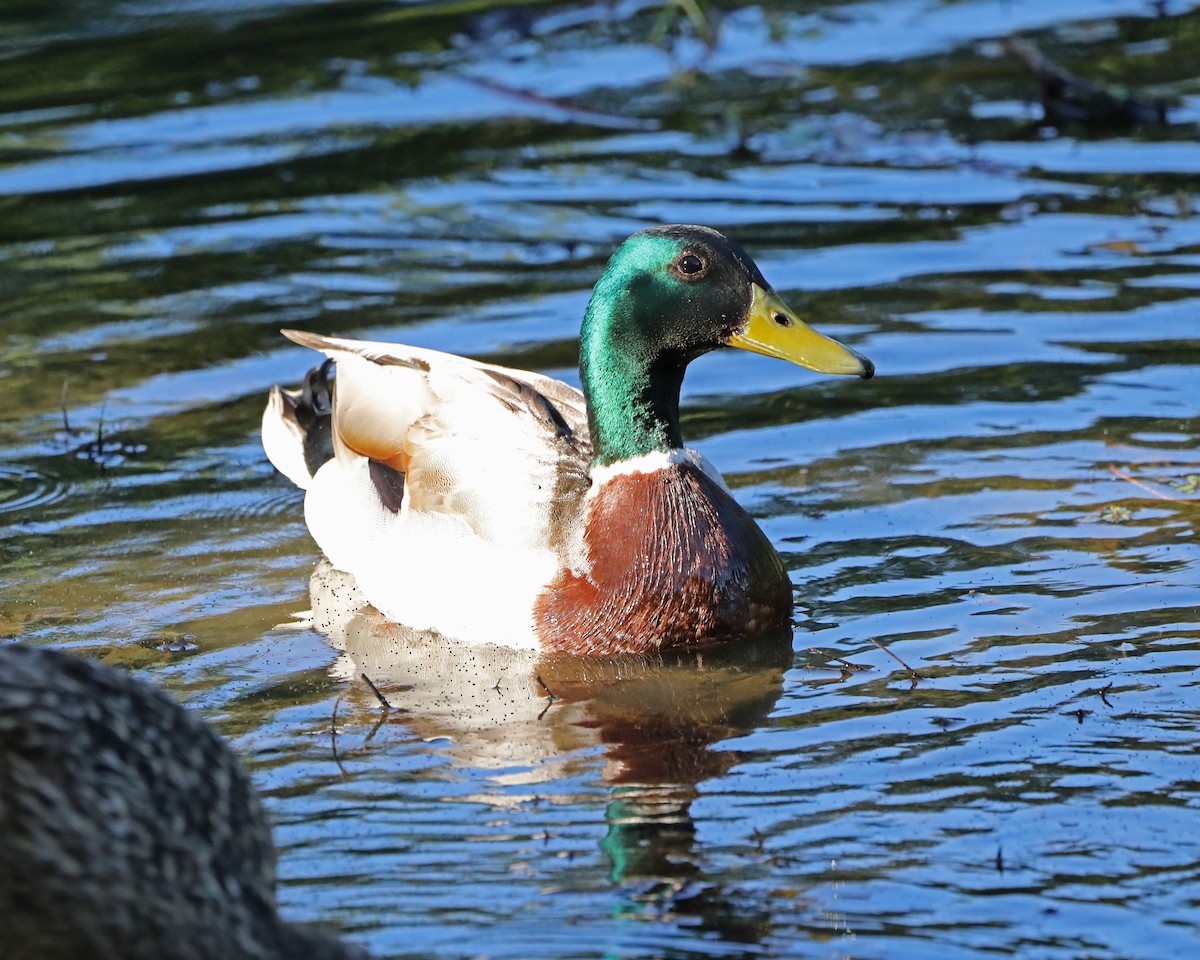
[913,675]
[1066,97]
[1145,486]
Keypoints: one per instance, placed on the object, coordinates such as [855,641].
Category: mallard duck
[494,505]
[128,829]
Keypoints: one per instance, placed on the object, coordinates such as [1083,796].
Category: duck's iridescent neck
[631,382]
[632,411]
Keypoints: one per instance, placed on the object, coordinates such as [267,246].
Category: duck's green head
[668,295]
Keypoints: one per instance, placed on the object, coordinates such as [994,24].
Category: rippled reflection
[652,724]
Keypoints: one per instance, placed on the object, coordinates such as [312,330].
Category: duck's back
[455,487]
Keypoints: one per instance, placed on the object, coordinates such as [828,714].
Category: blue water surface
[979,738]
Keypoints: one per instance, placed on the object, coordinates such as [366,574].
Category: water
[178,181]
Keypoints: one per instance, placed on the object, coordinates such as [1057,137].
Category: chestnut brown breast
[674,560]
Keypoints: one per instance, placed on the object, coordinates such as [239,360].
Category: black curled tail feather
[313,410]
[316,395]
[298,425]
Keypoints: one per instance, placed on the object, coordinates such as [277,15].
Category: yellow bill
[775,331]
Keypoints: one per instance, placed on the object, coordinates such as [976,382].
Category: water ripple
[23,488]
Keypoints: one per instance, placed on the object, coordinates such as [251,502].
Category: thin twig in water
[1145,486]
[387,707]
[98,444]
[1103,697]
[550,697]
[66,420]
[916,677]
[375,729]
[844,664]
[333,736]
[571,109]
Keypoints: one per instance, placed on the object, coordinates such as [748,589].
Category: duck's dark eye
[690,266]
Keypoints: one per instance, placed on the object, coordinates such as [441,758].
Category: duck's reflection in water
[534,719]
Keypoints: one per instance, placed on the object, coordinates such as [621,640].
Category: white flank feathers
[283,440]
[483,449]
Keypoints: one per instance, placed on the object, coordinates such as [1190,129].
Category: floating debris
[1067,98]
